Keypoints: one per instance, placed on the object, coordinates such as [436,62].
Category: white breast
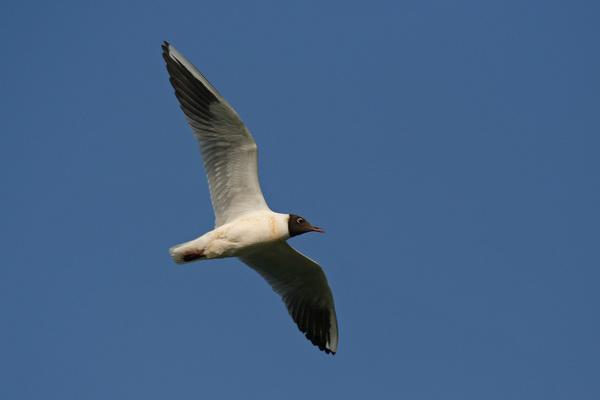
[246,233]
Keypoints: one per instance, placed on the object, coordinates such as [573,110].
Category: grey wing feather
[228,149]
[304,289]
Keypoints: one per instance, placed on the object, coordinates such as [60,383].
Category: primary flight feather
[245,227]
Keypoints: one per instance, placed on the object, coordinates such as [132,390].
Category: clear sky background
[449,148]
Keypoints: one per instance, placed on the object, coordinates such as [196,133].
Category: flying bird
[245,226]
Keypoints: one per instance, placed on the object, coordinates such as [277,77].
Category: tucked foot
[181,255]
[192,256]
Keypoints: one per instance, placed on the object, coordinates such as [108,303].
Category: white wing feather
[228,149]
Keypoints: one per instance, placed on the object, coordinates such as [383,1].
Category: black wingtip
[316,342]
[165,46]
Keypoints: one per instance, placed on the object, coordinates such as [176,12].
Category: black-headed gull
[245,227]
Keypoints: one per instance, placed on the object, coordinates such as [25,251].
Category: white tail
[186,252]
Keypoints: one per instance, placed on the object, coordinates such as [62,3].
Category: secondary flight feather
[245,226]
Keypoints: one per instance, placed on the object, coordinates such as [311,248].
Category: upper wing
[228,149]
[303,286]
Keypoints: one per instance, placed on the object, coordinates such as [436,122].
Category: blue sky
[450,149]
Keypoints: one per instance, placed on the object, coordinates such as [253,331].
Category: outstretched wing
[228,149]
[303,287]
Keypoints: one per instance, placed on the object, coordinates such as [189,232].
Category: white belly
[244,235]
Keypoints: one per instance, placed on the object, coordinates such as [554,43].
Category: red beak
[317,229]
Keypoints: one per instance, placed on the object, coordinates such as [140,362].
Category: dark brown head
[297,225]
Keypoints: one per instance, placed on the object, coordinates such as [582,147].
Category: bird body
[245,227]
[243,236]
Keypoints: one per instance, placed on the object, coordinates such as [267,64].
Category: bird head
[298,225]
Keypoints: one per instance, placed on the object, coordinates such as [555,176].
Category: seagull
[245,226]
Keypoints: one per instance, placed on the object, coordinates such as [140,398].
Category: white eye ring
[300,220]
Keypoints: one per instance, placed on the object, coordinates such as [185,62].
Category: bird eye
[300,220]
